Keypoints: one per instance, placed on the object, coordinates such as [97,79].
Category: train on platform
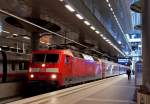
[63,67]
[17,66]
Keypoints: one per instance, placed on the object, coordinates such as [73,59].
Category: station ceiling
[55,12]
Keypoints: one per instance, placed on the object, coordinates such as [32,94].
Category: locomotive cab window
[48,58]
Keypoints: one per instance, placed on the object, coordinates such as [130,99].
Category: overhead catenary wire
[47,30]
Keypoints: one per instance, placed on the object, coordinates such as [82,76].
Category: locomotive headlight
[53,76]
[32,76]
[43,65]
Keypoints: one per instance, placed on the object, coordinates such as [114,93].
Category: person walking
[129,74]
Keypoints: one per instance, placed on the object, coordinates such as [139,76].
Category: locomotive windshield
[48,58]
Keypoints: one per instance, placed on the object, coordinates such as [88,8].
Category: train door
[3,66]
[67,71]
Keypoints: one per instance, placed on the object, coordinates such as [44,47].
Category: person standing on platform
[129,73]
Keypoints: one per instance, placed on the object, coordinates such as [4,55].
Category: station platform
[115,90]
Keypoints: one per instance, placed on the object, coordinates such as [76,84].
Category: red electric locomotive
[64,67]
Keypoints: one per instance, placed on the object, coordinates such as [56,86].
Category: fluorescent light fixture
[101,35]
[61,0]
[6,32]
[119,42]
[115,17]
[79,16]
[107,1]
[140,46]
[12,47]
[26,37]
[15,34]
[93,28]
[87,23]
[42,42]
[107,40]
[111,44]
[4,46]
[113,13]
[69,8]
[111,9]
[48,43]
[104,38]
[97,32]
[117,21]
[0,48]
[109,5]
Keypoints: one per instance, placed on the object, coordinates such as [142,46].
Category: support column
[146,44]
[143,95]
[35,41]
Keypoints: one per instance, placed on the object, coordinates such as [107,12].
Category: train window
[38,57]
[67,59]
[17,66]
[20,66]
[52,58]
[13,66]
[26,65]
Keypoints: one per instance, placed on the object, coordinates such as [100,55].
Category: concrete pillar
[35,41]
[146,44]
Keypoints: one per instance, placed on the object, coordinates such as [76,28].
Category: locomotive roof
[57,51]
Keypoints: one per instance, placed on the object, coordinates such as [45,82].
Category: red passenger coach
[64,67]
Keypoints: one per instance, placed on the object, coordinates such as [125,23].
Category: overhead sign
[123,60]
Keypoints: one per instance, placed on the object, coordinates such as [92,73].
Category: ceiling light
[0,49]
[6,32]
[107,40]
[104,38]
[48,43]
[93,28]
[97,32]
[12,47]
[79,16]
[115,16]
[26,37]
[109,5]
[113,13]
[87,23]
[107,1]
[111,44]
[42,42]
[69,8]
[119,42]
[101,35]
[4,46]
[140,46]
[111,9]
[61,0]
[15,34]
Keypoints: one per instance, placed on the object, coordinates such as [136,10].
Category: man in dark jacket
[129,73]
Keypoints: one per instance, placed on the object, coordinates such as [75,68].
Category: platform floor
[117,90]
[121,91]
